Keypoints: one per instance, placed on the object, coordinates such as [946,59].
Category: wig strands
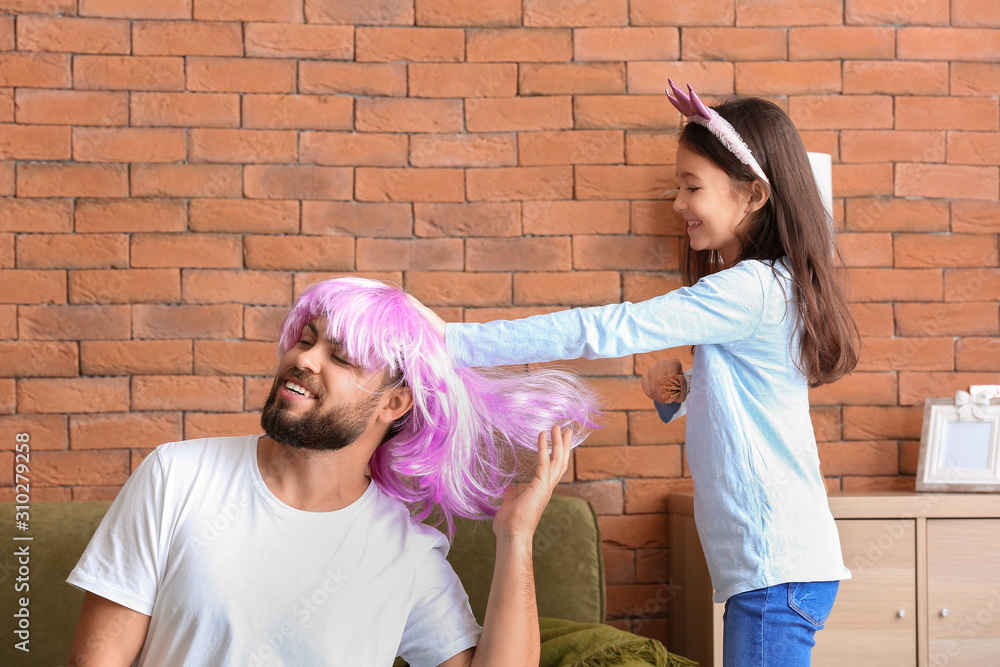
[456,451]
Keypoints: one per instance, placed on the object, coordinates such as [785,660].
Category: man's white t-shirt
[230,575]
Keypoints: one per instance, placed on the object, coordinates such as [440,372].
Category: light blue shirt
[760,501]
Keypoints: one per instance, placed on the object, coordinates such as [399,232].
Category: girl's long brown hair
[792,223]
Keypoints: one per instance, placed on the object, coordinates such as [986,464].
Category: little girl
[768,320]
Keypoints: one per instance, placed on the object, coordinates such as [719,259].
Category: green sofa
[569,579]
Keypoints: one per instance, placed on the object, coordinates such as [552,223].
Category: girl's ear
[758,196]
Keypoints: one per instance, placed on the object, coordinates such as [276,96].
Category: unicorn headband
[696,112]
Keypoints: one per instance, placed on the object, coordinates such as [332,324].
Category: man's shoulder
[201,453]
[414,536]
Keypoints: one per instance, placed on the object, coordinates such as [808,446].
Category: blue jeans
[775,626]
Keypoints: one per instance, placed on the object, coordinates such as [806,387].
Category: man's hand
[523,506]
[675,388]
[432,318]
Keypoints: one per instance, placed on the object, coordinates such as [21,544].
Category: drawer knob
[901,613]
[944,612]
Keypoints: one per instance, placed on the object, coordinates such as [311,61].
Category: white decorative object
[960,444]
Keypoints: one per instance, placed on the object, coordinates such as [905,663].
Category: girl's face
[709,204]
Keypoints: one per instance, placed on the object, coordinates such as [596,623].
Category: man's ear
[399,403]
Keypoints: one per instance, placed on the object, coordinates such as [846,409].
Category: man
[297,547]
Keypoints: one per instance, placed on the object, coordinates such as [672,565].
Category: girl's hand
[523,506]
[652,381]
[432,318]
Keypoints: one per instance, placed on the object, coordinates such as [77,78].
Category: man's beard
[325,431]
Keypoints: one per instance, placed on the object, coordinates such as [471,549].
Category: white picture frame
[959,449]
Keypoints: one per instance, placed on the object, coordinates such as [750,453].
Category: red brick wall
[174,172]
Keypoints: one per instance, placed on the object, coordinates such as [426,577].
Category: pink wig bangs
[458,448]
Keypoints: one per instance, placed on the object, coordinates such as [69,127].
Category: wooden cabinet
[925,589]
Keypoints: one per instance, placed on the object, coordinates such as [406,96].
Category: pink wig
[458,448]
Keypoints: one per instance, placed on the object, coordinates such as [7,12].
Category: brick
[46,432]
[35,70]
[895,284]
[842,43]
[7,106]
[874,388]
[7,33]
[596,368]
[129,145]
[817,112]
[124,286]
[137,9]
[128,73]
[24,286]
[79,468]
[634,461]
[576,217]
[929,12]
[518,254]
[646,428]
[459,150]
[241,75]
[8,400]
[519,45]
[360,12]
[946,319]
[71,180]
[972,284]
[946,181]
[654,12]
[875,423]
[467,219]
[130,215]
[263,322]
[353,149]
[278,11]
[827,423]
[185,109]
[356,219]
[186,180]
[441,254]
[650,147]
[409,115]
[621,393]
[7,253]
[862,180]
[975,79]
[891,146]
[625,44]
[575,288]
[897,354]
[34,142]
[384,44]
[619,564]
[8,322]
[639,601]
[787,12]
[571,147]
[297,182]
[934,250]
[242,146]
[283,40]
[36,215]
[733,44]
[866,249]
[238,215]
[161,322]
[74,322]
[657,217]
[977,354]
[136,357]
[519,183]
[862,77]
[947,43]
[606,497]
[651,565]
[181,392]
[981,148]
[211,425]
[975,13]
[186,38]
[890,215]
[445,288]
[299,253]
[799,77]
[622,111]
[869,457]
[655,253]
[248,287]
[708,78]
[212,357]
[975,216]
[935,113]
[24,359]
[519,114]
[292,112]
[374,79]
[186,250]
[582,13]
[124,430]
[642,286]
[571,79]
[71,107]
[462,80]
[873,319]
[466,14]
[72,35]
[622,182]
[426,185]
[255,391]
[45,395]
[916,387]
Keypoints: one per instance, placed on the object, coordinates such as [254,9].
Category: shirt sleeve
[123,560]
[440,624]
[723,308]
